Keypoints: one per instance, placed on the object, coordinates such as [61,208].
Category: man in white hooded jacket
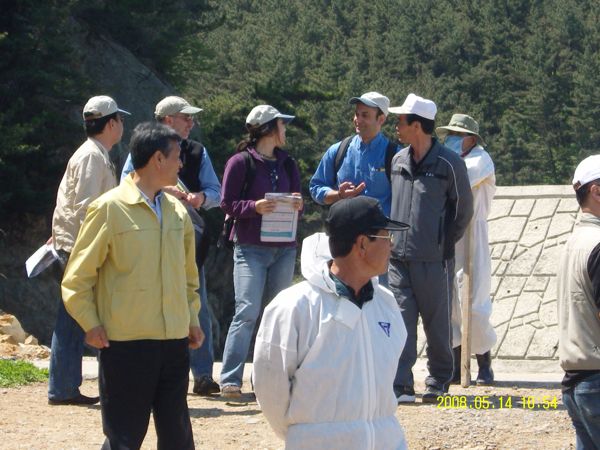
[462,136]
[327,348]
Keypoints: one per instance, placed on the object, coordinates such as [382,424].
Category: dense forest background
[527,70]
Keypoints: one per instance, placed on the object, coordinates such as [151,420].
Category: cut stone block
[502,311]
[506,229]
[536,284]
[528,303]
[517,342]
[496,251]
[549,313]
[535,232]
[568,205]
[544,207]
[524,264]
[548,261]
[551,295]
[510,287]
[494,285]
[509,250]
[501,331]
[544,343]
[561,224]
[500,208]
[522,207]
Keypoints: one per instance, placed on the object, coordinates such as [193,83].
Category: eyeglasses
[389,236]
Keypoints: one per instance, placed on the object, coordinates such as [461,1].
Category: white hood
[314,260]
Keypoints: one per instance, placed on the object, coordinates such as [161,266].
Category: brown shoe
[231,391]
[206,386]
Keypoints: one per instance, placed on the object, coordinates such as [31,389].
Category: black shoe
[485,377]
[431,394]
[79,400]
[404,394]
[456,368]
[206,386]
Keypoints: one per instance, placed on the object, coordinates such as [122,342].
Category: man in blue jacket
[362,168]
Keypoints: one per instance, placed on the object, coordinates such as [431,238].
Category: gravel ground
[28,422]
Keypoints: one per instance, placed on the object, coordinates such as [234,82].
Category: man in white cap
[431,193]
[359,164]
[578,283]
[89,174]
[204,191]
[461,135]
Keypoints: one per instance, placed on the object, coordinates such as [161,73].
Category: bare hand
[298,203]
[264,206]
[49,241]
[196,199]
[348,190]
[175,192]
[97,338]
[196,337]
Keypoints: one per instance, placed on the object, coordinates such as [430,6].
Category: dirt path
[28,422]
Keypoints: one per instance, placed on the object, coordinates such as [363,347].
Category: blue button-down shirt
[363,162]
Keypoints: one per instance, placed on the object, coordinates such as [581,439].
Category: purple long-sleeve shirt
[247,220]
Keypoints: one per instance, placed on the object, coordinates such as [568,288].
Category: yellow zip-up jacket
[127,273]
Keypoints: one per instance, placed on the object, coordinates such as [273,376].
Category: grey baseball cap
[173,105]
[374,100]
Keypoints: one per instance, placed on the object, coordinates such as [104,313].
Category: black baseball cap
[350,217]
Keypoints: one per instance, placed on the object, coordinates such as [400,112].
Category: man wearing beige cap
[461,135]
[430,193]
[198,176]
[89,174]
[359,164]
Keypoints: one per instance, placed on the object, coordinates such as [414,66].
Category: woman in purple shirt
[260,268]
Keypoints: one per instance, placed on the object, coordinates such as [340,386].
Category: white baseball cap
[262,114]
[374,100]
[173,105]
[101,106]
[587,170]
[416,105]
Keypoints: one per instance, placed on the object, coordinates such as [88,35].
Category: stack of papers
[282,223]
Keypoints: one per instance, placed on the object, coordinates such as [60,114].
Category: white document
[282,223]
[40,260]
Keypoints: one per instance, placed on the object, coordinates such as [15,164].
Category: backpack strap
[390,152]
[250,173]
[339,157]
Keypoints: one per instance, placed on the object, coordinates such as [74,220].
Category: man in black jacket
[432,194]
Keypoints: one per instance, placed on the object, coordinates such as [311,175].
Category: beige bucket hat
[461,123]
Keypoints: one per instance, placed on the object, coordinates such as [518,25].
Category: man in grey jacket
[432,194]
[578,309]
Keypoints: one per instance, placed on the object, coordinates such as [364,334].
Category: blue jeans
[201,359]
[583,404]
[65,356]
[257,270]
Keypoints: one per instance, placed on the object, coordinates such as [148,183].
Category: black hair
[342,246]
[427,125]
[147,139]
[94,127]
[582,193]
[255,133]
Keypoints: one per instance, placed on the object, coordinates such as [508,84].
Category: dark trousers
[137,377]
[425,289]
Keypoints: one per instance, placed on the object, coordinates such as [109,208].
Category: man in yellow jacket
[131,284]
